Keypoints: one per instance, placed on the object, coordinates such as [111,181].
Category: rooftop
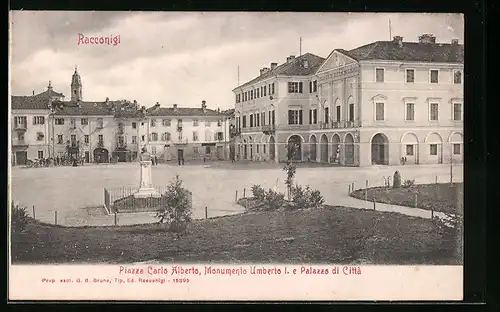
[408,51]
[295,67]
[182,111]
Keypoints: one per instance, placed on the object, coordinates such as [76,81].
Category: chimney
[33,92]
[262,71]
[455,51]
[218,109]
[157,104]
[290,58]
[398,40]
[265,70]
[274,65]
[204,106]
[427,38]
[454,41]
[175,107]
[107,100]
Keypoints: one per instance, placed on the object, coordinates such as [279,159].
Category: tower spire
[50,85]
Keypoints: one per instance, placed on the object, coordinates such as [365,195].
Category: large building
[45,125]
[271,105]
[387,102]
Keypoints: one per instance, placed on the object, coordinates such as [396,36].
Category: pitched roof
[49,93]
[29,102]
[409,51]
[292,68]
[182,111]
[82,109]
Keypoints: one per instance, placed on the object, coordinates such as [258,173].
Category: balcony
[121,146]
[19,143]
[179,128]
[181,142]
[20,127]
[346,124]
[268,129]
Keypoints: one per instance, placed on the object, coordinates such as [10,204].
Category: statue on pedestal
[146,188]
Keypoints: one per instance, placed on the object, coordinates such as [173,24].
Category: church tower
[76,87]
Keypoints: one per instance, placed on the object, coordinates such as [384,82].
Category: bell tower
[76,86]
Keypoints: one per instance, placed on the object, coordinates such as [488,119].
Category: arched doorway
[457,147]
[409,148]
[312,148]
[349,149]
[336,149]
[295,147]
[101,155]
[380,149]
[272,148]
[324,148]
[435,144]
[245,149]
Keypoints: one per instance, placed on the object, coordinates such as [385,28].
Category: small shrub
[175,210]
[306,198]
[258,192]
[19,218]
[451,228]
[274,200]
[408,183]
[397,180]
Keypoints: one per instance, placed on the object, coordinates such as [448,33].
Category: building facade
[271,105]
[46,126]
[388,102]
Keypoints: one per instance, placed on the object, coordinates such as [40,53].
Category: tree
[175,209]
[289,167]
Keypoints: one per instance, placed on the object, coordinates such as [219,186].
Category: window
[315,86]
[379,74]
[84,121]
[457,77]
[251,120]
[326,115]
[166,122]
[338,112]
[195,123]
[457,111]
[154,136]
[40,154]
[258,94]
[153,123]
[265,90]
[179,122]
[433,149]
[220,136]
[351,112]
[434,111]
[208,123]
[244,121]
[264,148]
[219,123]
[86,139]
[20,136]
[179,136]
[410,112]
[313,117]
[99,123]
[409,150]
[134,125]
[379,111]
[294,117]
[410,75]
[143,138]
[38,120]
[40,136]
[294,87]
[310,87]
[60,139]
[456,149]
[196,150]
[100,138]
[195,136]
[142,124]
[257,148]
[72,122]
[121,140]
[59,121]
[434,76]
[20,121]
[272,85]
[273,115]
[263,118]
[153,150]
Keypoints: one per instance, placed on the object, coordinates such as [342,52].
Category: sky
[187,57]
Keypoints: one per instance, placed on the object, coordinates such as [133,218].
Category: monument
[146,188]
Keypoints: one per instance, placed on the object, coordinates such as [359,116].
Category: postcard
[242,156]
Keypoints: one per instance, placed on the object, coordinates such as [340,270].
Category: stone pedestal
[146,188]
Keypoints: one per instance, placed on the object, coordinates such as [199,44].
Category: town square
[339,144]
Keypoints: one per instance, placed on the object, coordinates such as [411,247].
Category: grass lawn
[325,235]
[443,197]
